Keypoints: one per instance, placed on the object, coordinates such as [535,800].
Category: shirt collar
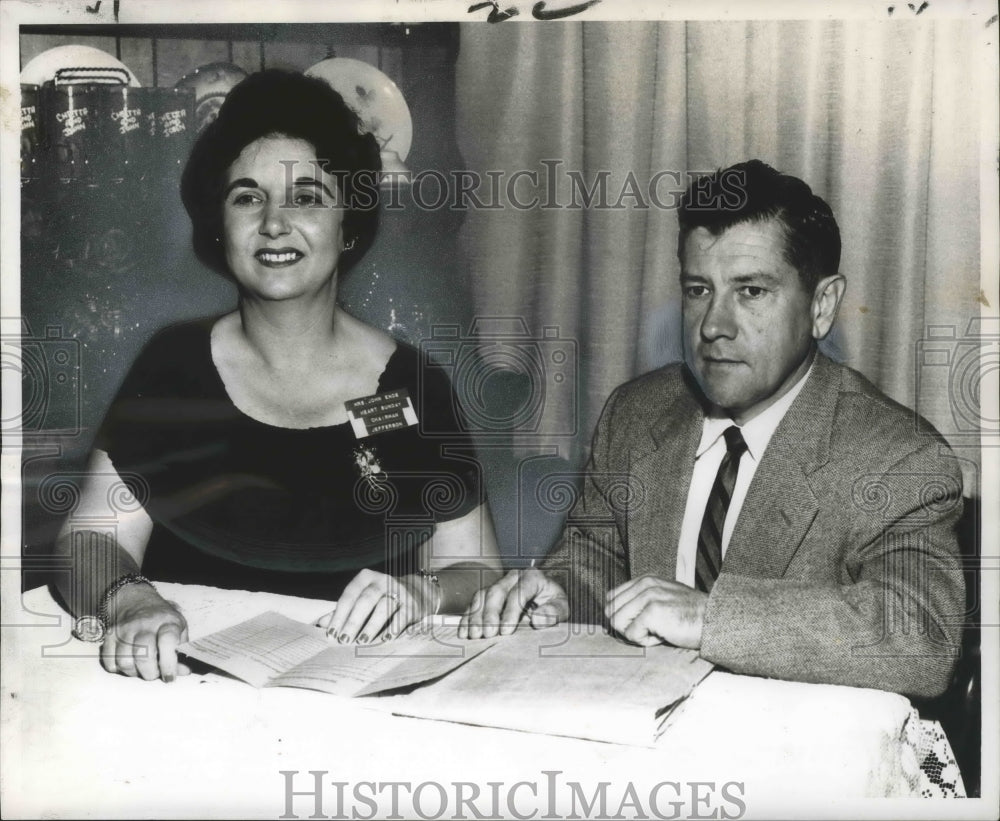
[759,430]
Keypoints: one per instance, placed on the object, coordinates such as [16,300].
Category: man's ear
[825,304]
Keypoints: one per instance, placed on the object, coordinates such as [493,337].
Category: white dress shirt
[712,448]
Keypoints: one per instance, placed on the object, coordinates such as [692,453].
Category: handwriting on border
[540,11]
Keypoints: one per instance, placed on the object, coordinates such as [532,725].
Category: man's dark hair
[288,104]
[753,191]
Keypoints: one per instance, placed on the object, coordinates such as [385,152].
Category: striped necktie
[709,560]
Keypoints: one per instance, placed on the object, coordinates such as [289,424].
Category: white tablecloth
[82,743]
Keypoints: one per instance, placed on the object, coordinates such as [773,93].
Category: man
[759,502]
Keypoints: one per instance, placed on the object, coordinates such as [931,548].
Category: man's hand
[143,637]
[649,610]
[499,608]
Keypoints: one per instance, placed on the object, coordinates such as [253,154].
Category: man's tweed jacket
[843,566]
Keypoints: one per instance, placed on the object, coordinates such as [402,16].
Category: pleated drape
[882,119]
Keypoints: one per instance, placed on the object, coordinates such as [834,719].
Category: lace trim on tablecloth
[932,766]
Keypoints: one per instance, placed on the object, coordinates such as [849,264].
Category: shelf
[411,35]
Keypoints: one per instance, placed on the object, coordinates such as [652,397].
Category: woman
[239,438]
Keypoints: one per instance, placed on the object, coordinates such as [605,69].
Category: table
[82,743]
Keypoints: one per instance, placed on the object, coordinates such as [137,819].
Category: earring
[349,246]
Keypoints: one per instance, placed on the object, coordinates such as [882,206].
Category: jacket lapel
[780,505]
[661,469]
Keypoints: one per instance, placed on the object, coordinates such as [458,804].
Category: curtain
[882,119]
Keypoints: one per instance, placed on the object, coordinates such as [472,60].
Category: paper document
[572,680]
[271,650]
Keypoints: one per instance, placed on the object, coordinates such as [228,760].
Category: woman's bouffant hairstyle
[289,104]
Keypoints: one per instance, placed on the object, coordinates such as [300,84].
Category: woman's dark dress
[238,503]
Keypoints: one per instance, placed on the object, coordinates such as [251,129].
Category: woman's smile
[278,257]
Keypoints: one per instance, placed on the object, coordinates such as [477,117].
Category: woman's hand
[377,606]
[143,636]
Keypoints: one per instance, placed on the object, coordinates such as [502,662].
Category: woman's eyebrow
[242,182]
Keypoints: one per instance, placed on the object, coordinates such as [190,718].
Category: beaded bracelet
[118,584]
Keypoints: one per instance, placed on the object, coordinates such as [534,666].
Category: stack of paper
[572,680]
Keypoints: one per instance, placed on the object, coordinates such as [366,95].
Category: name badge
[381,412]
